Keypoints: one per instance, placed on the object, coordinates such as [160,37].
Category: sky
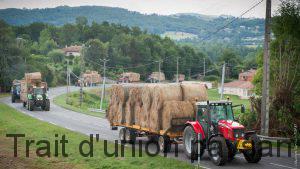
[162,7]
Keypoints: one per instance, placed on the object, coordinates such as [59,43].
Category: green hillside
[243,31]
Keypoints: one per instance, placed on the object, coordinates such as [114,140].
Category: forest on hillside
[244,31]
[29,47]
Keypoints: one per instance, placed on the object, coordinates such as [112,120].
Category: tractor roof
[214,102]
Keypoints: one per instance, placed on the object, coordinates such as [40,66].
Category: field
[91,99]
[14,122]
[4,95]
[179,35]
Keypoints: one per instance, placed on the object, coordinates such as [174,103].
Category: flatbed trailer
[164,138]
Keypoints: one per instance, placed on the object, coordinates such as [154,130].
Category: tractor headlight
[243,134]
[236,135]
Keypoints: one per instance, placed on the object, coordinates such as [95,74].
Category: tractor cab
[214,128]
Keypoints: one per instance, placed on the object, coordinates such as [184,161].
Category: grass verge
[91,99]
[14,122]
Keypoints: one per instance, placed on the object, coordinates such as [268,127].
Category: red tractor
[220,134]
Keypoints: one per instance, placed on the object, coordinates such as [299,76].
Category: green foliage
[57,56]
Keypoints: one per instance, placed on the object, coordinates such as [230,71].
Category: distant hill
[242,32]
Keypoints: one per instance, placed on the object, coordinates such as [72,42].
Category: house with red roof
[242,87]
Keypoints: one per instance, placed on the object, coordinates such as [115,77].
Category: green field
[91,99]
[14,122]
[214,95]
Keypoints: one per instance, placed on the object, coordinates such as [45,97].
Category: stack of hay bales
[154,105]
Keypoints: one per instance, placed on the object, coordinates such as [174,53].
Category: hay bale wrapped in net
[162,93]
[176,109]
[194,92]
[118,98]
[133,105]
[33,77]
[147,96]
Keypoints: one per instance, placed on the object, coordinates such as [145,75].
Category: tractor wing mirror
[242,108]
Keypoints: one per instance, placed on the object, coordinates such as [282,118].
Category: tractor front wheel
[46,105]
[253,155]
[218,151]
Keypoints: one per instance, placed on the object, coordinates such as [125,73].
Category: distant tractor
[155,77]
[15,91]
[34,92]
[129,77]
[220,134]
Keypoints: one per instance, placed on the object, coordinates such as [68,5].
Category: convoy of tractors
[210,125]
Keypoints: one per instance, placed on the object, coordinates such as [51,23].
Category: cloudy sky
[163,7]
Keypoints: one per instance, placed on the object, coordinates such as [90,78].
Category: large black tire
[153,138]
[218,151]
[13,98]
[30,105]
[122,132]
[190,145]
[164,144]
[130,136]
[231,151]
[254,155]
[46,105]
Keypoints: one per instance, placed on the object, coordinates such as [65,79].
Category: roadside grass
[14,122]
[4,95]
[91,99]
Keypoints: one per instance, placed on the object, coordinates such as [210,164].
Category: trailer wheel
[190,147]
[130,136]
[218,151]
[122,132]
[164,144]
[254,155]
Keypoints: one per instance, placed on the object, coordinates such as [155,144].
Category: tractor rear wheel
[190,146]
[217,150]
[253,155]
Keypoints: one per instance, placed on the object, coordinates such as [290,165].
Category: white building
[72,50]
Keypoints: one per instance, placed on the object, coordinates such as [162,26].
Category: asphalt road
[94,125]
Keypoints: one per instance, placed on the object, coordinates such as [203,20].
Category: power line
[233,20]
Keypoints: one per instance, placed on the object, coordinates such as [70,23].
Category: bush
[211,78]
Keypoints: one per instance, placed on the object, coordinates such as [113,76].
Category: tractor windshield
[38,91]
[221,112]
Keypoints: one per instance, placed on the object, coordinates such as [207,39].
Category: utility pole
[159,71]
[222,82]
[68,82]
[177,80]
[103,84]
[266,73]
[81,79]
[203,67]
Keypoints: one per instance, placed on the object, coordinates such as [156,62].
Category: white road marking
[282,166]
[202,167]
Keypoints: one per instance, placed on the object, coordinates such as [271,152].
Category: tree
[56,55]
[94,51]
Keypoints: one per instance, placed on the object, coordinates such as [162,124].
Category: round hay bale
[146,96]
[162,93]
[194,92]
[133,105]
[176,109]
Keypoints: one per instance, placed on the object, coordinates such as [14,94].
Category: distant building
[72,50]
[242,87]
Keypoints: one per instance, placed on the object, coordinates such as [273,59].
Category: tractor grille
[238,133]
